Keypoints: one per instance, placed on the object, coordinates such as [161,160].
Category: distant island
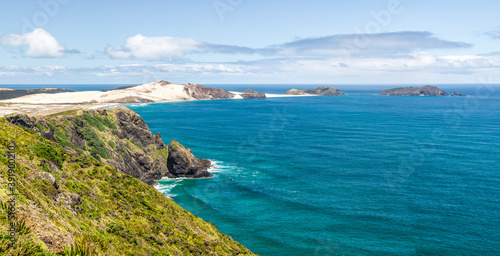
[323,91]
[252,94]
[427,90]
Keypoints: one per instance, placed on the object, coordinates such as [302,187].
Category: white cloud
[154,48]
[39,44]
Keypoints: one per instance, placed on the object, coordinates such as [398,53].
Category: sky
[249,41]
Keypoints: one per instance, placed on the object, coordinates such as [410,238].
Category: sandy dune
[152,92]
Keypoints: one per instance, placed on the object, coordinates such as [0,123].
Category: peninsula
[57,100]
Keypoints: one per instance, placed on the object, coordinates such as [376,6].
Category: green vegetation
[112,144]
[92,209]
[97,148]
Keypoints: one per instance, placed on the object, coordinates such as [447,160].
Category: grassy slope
[95,207]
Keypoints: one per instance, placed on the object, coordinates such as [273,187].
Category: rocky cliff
[58,200]
[427,90]
[200,92]
[120,138]
[252,94]
[454,93]
[323,91]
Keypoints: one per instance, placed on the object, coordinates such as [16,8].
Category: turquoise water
[353,175]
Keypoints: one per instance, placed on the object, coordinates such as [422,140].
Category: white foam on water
[165,188]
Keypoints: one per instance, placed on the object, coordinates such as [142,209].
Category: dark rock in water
[249,91]
[200,92]
[323,91]
[182,162]
[254,95]
[427,90]
[456,94]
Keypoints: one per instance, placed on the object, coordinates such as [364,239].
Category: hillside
[69,200]
[118,137]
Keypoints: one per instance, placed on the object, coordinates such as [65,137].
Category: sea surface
[360,174]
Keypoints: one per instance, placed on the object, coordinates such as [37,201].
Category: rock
[22,120]
[427,90]
[456,94]
[49,178]
[182,163]
[254,95]
[249,91]
[295,92]
[200,92]
[323,91]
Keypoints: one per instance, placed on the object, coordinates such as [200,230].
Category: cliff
[252,94]
[71,203]
[427,90]
[119,138]
[323,91]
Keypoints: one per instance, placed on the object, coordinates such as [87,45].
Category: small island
[252,94]
[323,91]
[427,90]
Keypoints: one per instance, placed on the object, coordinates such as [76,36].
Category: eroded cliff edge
[118,137]
[66,201]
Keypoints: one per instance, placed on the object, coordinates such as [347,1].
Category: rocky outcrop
[253,95]
[250,91]
[323,91]
[456,94]
[200,92]
[120,138]
[182,163]
[427,90]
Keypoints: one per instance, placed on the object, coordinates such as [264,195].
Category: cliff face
[427,90]
[66,200]
[323,91]
[118,137]
[200,92]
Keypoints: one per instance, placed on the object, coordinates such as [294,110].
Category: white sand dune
[155,92]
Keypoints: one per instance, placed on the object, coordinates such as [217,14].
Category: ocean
[360,174]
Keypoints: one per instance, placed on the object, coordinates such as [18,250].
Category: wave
[166,185]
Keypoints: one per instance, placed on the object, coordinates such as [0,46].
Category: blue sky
[249,41]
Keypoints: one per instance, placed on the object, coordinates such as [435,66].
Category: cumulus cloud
[36,44]
[154,48]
